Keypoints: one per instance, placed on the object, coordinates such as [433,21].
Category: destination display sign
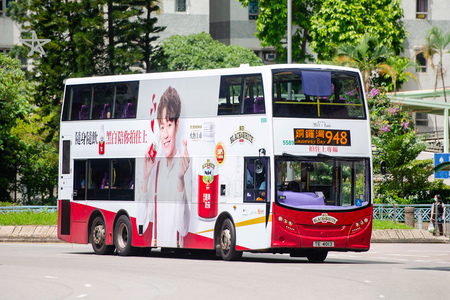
[325,137]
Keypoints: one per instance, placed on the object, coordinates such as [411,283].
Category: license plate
[323,244]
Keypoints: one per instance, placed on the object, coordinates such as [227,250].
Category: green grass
[47,218]
[384,224]
[29,218]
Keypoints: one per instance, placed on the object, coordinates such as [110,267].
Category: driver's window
[255,175]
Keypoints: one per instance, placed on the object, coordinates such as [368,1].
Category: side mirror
[259,168]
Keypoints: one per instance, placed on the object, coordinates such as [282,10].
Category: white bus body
[217,169]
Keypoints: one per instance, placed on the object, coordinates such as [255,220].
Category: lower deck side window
[104,179]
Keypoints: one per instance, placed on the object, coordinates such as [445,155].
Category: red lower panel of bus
[349,230]
[81,217]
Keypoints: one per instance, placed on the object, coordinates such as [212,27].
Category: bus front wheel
[98,237]
[122,236]
[228,242]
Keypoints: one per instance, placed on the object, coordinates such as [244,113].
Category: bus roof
[244,69]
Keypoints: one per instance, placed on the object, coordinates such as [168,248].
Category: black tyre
[227,240]
[123,236]
[317,256]
[98,238]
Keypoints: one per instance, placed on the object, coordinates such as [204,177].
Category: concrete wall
[9,33]
[230,24]
[194,20]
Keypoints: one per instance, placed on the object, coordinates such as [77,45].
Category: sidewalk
[48,234]
[29,234]
[406,236]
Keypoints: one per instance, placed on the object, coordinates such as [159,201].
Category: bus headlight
[287,224]
[358,225]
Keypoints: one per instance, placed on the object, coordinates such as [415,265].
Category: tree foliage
[398,144]
[36,160]
[378,65]
[271,26]
[15,95]
[436,44]
[345,21]
[367,55]
[87,38]
[400,74]
[201,51]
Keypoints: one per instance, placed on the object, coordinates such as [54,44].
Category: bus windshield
[322,182]
[329,94]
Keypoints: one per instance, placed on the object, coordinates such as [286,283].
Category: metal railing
[422,213]
[15,209]
[396,212]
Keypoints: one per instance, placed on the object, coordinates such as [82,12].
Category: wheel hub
[226,239]
[99,235]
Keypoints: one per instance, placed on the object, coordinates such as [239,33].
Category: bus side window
[104,179]
[122,186]
[241,94]
[79,180]
[77,102]
[126,98]
[103,100]
[254,95]
[98,179]
[230,95]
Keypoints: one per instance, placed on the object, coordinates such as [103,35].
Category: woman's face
[168,131]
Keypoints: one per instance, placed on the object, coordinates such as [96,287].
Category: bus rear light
[359,225]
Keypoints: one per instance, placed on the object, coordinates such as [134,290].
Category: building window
[421,119]
[253,10]
[4,4]
[180,5]
[422,9]
[421,62]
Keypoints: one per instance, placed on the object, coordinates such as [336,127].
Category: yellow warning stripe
[244,223]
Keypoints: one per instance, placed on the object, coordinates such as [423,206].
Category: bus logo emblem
[324,218]
[241,135]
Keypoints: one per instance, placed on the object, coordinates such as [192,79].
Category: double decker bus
[273,159]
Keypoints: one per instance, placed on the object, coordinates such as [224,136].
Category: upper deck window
[317,94]
[101,101]
[241,94]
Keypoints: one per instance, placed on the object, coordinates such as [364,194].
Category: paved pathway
[48,234]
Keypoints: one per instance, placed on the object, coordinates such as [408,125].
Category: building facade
[9,30]
[230,23]
[420,16]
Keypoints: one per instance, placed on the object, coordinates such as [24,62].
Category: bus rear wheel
[123,236]
[228,242]
[317,256]
[98,238]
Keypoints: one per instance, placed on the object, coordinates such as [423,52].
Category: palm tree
[368,56]
[401,66]
[436,42]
